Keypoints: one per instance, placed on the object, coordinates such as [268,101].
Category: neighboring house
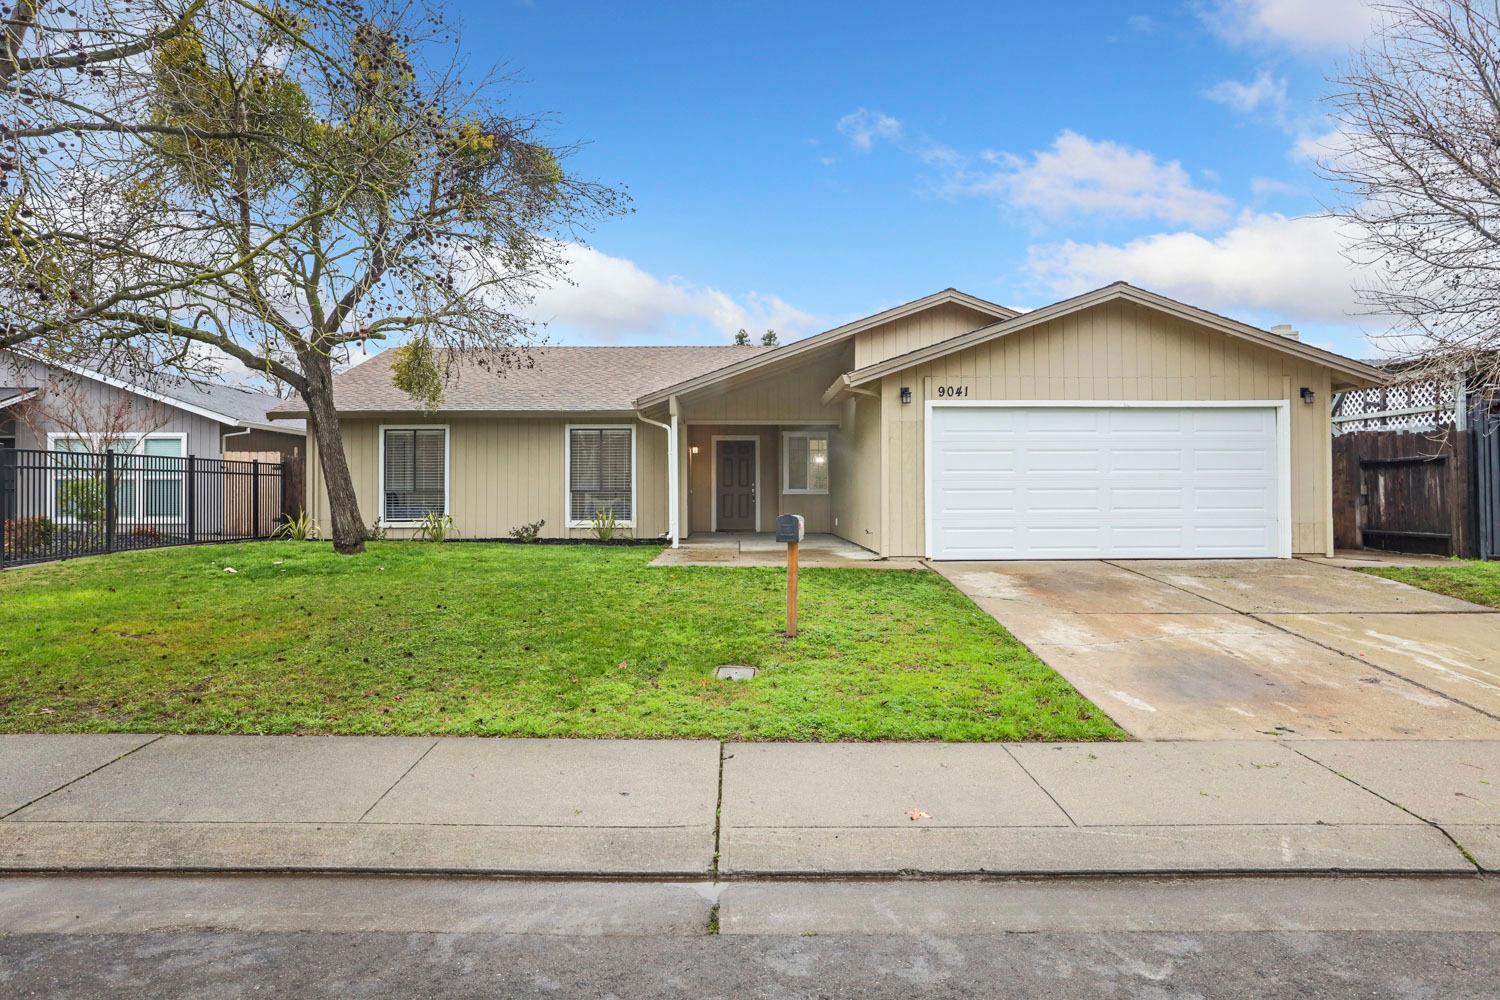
[72,406]
[1117,423]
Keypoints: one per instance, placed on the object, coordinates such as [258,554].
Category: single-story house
[1118,423]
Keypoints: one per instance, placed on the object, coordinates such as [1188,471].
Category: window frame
[139,476]
[568,430]
[786,463]
[380,470]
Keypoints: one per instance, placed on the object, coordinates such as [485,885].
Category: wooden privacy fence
[254,504]
[1433,490]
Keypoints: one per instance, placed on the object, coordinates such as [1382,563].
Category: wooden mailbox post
[789,529]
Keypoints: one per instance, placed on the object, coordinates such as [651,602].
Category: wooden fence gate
[1405,490]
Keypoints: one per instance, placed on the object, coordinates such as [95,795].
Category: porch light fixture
[905,394]
[1307,395]
[693,450]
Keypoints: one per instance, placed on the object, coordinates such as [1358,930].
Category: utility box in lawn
[789,528]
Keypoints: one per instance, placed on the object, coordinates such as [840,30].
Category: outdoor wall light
[905,394]
[1307,395]
[693,449]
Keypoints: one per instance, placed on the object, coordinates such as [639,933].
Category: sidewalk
[689,809]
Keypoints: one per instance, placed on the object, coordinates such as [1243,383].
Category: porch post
[674,487]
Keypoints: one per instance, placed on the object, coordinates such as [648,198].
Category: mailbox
[789,528]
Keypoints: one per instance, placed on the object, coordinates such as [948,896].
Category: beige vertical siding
[502,473]
[920,330]
[854,458]
[789,393]
[1116,351]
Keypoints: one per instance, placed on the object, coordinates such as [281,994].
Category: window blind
[599,473]
[414,473]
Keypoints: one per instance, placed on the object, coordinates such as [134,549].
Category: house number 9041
[952,391]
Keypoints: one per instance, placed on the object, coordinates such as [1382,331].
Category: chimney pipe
[1285,330]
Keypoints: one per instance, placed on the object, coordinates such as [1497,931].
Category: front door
[734,489]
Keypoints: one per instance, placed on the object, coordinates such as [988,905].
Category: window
[149,477]
[601,474]
[804,462]
[414,473]
[162,474]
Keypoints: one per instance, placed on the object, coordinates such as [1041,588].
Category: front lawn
[499,640]
[1468,580]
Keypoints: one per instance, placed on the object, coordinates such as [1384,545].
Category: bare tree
[396,202]
[1418,157]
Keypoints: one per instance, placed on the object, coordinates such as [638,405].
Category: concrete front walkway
[761,549]
[1252,648]
[689,809]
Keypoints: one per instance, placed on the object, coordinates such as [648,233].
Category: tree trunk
[343,505]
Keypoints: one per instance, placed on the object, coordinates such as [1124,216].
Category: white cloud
[1291,268]
[1322,148]
[864,128]
[1266,186]
[1299,24]
[1081,176]
[613,299]
[1265,92]
[1143,24]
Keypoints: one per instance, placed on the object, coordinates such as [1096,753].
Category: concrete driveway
[1217,649]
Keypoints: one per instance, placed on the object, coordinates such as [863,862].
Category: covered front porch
[749,443]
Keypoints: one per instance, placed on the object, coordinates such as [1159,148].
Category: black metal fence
[60,504]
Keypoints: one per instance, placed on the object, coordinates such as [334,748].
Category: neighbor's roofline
[838,333]
[1119,290]
[131,387]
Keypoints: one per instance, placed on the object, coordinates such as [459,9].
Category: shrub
[298,529]
[434,527]
[24,535]
[146,533]
[528,532]
[81,500]
[376,531]
[605,525]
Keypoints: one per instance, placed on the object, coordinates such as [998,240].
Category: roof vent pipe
[1285,330]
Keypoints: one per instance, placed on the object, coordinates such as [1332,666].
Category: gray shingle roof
[571,379]
[245,405]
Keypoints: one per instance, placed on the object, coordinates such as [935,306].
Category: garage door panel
[1103,481]
[1146,460]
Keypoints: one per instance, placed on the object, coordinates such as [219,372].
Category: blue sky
[797,165]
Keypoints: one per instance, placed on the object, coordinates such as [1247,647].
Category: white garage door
[1087,482]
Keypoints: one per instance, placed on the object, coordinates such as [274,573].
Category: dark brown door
[734,496]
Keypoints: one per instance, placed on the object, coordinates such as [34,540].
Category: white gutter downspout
[672,493]
[231,434]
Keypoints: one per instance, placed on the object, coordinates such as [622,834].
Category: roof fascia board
[824,339]
[1098,296]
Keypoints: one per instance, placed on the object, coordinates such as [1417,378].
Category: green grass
[477,639]
[1468,580]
